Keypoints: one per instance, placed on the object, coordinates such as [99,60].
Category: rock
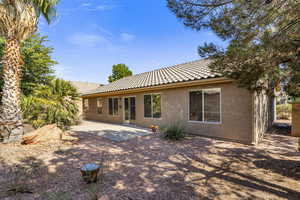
[45,134]
[28,128]
[67,138]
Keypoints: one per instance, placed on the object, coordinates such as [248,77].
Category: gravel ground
[150,167]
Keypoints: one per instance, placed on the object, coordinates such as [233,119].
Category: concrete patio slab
[114,132]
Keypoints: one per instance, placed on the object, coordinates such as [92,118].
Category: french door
[129,109]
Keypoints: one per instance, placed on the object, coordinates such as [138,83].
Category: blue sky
[90,36]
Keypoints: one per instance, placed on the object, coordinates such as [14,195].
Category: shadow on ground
[153,168]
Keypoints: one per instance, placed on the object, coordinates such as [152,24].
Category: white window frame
[159,118]
[113,106]
[203,113]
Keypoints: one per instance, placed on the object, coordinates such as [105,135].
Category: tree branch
[214,5]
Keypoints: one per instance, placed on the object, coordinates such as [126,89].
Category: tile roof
[84,87]
[190,71]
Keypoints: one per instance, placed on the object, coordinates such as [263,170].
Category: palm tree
[56,103]
[18,21]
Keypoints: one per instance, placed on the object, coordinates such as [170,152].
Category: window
[100,106]
[212,105]
[152,106]
[156,105]
[147,106]
[113,106]
[205,105]
[196,108]
[86,104]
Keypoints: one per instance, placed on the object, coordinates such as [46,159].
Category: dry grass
[152,168]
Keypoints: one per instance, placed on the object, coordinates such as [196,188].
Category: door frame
[127,121]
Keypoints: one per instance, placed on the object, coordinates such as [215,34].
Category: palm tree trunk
[11,127]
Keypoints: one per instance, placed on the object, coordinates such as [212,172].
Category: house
[83,87]
[204,102]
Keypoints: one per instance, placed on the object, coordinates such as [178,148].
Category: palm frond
[47,8]
[55,103]
[19,18]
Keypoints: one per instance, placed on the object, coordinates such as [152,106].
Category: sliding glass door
[129,109]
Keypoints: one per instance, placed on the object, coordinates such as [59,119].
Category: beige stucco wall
[236,115]
[91,113]
[296,119]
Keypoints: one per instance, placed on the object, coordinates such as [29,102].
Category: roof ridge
[185,63]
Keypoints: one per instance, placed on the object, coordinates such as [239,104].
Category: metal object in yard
[89,172]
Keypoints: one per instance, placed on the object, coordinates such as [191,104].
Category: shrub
[284,108]
[173,131]
[284,111]
[52,104]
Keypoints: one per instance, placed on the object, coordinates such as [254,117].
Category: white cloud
[94,7]
[126,37]
[101,7]
[102,30]
[88,40]
[85,5]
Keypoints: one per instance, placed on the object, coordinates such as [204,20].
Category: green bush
[284,108]
[173,131]
[284,111]
[51,104]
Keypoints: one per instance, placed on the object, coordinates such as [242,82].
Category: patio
[114,132]
[149,167]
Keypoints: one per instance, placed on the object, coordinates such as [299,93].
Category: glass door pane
[126,109]
[132,108]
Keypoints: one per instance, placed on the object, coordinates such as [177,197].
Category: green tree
[18,21]
[119,71]
[263,37]
[55,103]
[37,68]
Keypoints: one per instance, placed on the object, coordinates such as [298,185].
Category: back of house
[82,88]
[204,102]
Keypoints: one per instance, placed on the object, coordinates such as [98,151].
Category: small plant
[173,131]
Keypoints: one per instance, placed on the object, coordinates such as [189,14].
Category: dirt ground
[152,168]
